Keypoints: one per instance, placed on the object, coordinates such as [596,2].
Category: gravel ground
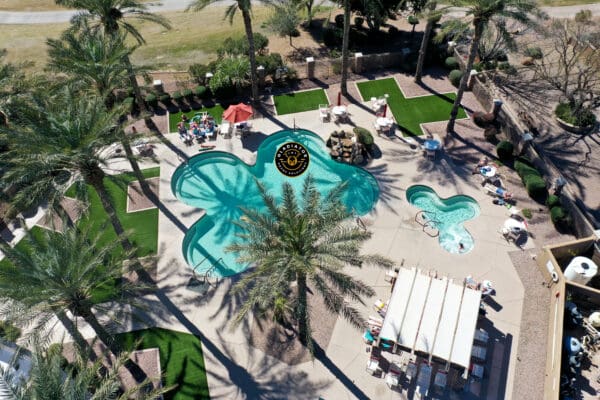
[137,200]
[533,337]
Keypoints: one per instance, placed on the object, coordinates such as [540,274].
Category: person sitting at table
[183,133]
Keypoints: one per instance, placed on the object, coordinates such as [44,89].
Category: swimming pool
[221,183]
[447,215]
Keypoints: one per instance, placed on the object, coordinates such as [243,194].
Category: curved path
[51,17]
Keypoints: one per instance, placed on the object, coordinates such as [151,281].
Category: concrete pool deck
[236,370]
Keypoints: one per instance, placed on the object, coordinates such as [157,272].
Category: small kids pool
[446,215]
[220,183]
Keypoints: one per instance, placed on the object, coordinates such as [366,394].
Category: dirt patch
[52,221]
[148,360]
[137,200]
[285,346]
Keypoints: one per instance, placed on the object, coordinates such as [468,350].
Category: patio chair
[411,371]
[225,129]
[482,336]
[373,366]
[324,112]
[479,353]
[439,381]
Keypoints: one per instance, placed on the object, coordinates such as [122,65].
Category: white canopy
[434,316]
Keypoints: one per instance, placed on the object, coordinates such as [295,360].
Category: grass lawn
[410,113]
[181,360]
[141,225]
[300,101]
[216,111]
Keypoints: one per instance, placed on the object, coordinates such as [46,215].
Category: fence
[514,128]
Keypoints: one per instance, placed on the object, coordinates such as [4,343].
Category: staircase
[428,223]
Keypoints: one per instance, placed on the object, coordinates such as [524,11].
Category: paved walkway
[52,17]
[238,371]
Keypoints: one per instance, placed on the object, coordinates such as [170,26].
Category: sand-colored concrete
[237,370]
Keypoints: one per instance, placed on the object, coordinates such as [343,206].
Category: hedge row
[532,179]
[202,92]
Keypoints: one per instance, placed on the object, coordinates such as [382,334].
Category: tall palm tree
[48,378]
[432,15]
[114,16]
[297,246]
[66,145]
[345,44]
[484,12]
[245,7]
[56,274]
[96,59]
[93,58]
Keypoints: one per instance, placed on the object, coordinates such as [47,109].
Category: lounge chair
[497,191]
[373,365]
[392,378]
[324,112]
[225,129]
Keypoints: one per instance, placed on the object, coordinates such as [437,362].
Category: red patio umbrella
[238,113]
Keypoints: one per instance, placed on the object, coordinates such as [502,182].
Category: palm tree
[54,275]
[93,58]
[484,12]
[66,145]
[113,16]
[432,16]
[49,378]
[345,44]
[298,244]
[96,59]
[245,7]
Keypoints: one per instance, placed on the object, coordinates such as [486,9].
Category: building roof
[434,316]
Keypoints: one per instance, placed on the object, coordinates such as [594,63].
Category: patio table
[431,144]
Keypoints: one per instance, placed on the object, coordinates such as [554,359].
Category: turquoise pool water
[220,183]
[447,215]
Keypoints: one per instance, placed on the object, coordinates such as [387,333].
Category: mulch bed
[137,200]
[271,339]
[52,221]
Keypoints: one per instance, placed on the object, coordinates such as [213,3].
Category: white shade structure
[433,316]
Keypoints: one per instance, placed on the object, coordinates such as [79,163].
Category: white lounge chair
[324,112]
[225,129]
[373,365]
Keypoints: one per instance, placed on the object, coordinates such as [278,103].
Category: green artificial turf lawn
[410,113]
[299,101]
[181,360]
[142,226]
[174,118]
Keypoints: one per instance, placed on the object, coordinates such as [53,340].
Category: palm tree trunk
[463,82]
[345,43]
[424,44]
[138,374]
[251,53]
[302,313]
[98,185]
[136,88]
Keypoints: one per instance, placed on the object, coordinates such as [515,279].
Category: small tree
[571,63]
[231,71]
[285,19]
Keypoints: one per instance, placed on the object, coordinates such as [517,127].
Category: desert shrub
[488,65]
[151,99]
[188,94]
[490,133]
[201,92]
[239,45]
[177,96]
[198,72]
[483,120]
[552,201]
[583,117]
[527,213]
[507,68]
[9,332]
[332,37]
[365,137]
[412,20]
[501,56]
[358,22]
[336,66]
[165,98]
[505,149]
[339,20]
[560,217]
[534,52]
[536,187]
[451,63]
[271,62]
[455,76]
